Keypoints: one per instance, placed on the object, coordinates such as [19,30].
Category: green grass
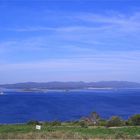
[63,132]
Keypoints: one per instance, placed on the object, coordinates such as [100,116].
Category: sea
[21,107]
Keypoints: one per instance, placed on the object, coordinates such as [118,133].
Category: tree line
[115,121]
[94,119]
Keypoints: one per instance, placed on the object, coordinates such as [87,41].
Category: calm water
[21,107]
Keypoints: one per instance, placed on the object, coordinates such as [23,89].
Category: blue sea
[18,107]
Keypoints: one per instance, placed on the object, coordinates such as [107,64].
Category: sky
[69,40]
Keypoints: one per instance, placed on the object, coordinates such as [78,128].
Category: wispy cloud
[103,22]
[84,44]
[97,29]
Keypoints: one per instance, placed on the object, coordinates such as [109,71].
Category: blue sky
[69,40]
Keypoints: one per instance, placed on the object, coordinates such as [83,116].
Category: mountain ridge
[72,85]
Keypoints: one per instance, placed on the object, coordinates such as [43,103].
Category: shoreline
[64,90]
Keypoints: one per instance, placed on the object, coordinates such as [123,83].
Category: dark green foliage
[83,124]
[102,123]
[47,123]
[115,121]
[33,122]
[74,123]
[134,120]
[55,123]
[127,123]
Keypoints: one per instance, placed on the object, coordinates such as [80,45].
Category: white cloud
[98,31]
[104,21]
[103,45]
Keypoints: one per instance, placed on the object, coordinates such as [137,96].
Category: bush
[74,123]
[128,123]
[47,123]
[55,123]
[32,122]
[134,120]
[102,123]
[115,121]
[83,124]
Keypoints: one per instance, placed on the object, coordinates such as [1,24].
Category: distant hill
[72,85]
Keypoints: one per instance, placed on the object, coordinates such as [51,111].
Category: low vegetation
[90,127]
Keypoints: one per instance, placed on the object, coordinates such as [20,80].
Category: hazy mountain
[72,85]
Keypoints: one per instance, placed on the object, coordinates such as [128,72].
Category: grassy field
[67,132]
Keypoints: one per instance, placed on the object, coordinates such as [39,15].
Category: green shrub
[115,121]
[102,123]
[55,123]
[75,123]
[127,123]
[33,122]
[83,124]
[134,120]
[47,123]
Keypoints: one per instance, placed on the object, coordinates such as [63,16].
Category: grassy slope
[28,132]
